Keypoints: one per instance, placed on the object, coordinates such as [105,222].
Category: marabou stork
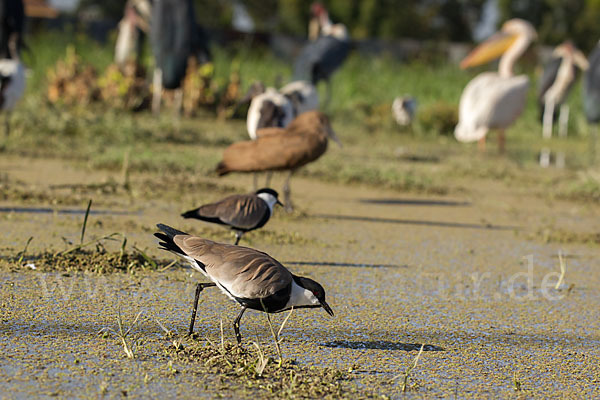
[132,29]
[320,58]
[175,37]
[591,94]
[560,73]
[12,71]
[494,100]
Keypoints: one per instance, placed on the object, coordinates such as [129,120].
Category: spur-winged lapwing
[252,278]
[241,212]
[276,149]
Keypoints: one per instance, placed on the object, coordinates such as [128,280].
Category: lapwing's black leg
[236,326]
[199,288]
[238,236]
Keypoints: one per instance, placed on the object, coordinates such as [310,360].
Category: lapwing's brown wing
[243,211]
[244,272]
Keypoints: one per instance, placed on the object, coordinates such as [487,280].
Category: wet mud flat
[468,277]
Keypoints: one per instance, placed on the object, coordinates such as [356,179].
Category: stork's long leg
[545,157]
[199,288]
[548,119]
[7,124]
[287,193]
[178,102]
[563,121]
[156,90]
[594,144]
[236,325]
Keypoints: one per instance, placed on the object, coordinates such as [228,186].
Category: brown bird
[281,149]
[252,278]
[241,212]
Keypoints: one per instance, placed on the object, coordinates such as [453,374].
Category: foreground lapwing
[252,278]
[276,149]
[241,212]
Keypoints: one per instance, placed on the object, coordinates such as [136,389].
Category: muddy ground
[471,275]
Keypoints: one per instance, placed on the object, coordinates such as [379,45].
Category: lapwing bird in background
[241,212]
[276,149]
[252,278]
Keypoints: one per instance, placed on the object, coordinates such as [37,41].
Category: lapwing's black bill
[241,212]
[252,278]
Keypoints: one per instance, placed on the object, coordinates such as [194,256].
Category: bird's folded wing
[244,272]
[271,152]
[242,211]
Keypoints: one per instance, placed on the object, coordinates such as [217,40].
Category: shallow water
[440,273]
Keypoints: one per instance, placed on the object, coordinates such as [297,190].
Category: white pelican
[494,100]
[557,80]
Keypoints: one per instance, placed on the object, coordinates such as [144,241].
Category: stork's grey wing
[591,87]
[244,272]
[548,77]
[320,58]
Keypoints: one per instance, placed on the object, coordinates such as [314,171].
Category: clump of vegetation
[128,342]
[125,88]
[586,190]
[407,374]
[99,262]
[240,368]
[76,259]
[439,118]
[558,235]
[72,81]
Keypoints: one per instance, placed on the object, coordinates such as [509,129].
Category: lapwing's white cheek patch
[314,299]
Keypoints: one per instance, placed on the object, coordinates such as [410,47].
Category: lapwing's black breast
[271,304]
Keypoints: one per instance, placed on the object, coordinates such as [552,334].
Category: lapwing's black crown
[269,191]
[311,285]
